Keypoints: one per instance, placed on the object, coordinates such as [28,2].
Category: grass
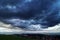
[13,37]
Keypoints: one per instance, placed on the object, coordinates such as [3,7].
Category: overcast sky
[33,15]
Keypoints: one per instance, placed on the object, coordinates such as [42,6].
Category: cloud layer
[30,14]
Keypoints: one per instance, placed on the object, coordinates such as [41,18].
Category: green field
[13,37]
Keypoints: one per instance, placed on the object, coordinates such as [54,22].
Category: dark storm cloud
[23,9]
[45,13]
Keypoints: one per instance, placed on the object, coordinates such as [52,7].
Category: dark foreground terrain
[29,37]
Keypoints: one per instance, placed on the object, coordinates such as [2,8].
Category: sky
[8,29]
[31,15]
